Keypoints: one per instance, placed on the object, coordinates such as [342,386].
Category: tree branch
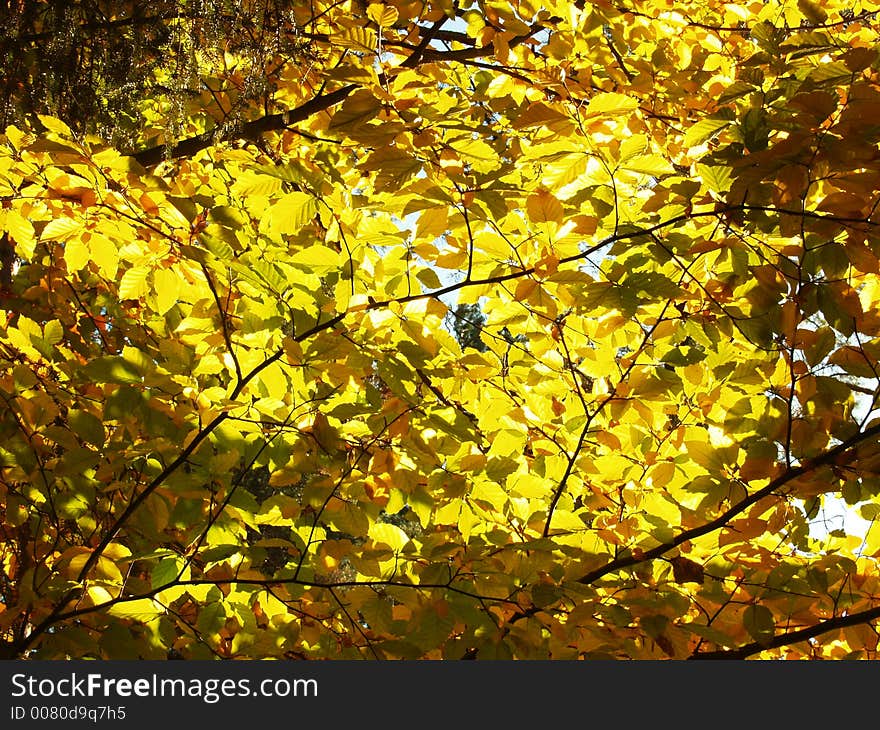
[792,637]
[722,520]
[274,122]
[249,130]
[57,614]
[417,53]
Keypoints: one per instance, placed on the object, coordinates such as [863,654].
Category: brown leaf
[686,571]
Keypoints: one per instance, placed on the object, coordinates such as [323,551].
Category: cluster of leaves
[236,422]
[109,67]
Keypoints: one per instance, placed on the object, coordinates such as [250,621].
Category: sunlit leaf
[441,331]
[133,284]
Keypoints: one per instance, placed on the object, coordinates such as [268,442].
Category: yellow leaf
[98,595]
[290,213]
[608,104]
[251,183]
[382,15]
[105,255]
[29,328]
[55,125]
[703,130]
[117,551]
[358,39]
[567,521]
[544,207]
[432,223]
[167,286]
[60,229]
[140,609]
[387,534]
[134,283]
[22,233]
[649,165]
[357,109]
[319,260]
[18,138]
[660,474]
[632,146]
[507,442]
[76,255]
[490,493]
[717,179]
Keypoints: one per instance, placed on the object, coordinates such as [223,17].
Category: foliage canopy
[237,422]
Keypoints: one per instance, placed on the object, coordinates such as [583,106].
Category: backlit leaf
[441,331]
[607,104]
[291,213]
[704,130]
[316,259]
[140,609]
[543,207]
[357,38]
[649,165]
[60,229]
[133,284]
[87,426]
[759,622]
[382,15]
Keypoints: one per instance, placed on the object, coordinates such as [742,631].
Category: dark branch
[721,521]
[416,55]
[792,637]
[250,130]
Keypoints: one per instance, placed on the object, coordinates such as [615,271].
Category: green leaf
[735,91]
[703,130]
[819,347]
[53,332]
[710,634]
[211,618]
[716,178]
[834,71]
[140,609]
[431,632]
[429,279]
[87,426]
[165,572]
[111,369]
[758,621]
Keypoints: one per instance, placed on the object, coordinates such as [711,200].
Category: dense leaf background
[440,330]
